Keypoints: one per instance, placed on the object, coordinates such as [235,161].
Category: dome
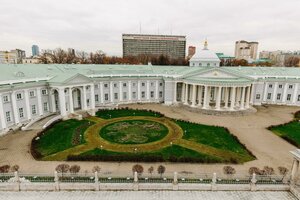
[205,55]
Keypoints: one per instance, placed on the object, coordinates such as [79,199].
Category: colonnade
[215,97]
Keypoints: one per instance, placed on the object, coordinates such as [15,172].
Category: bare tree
[74,169]
[283,171]
[161,170]
[4,169]
[15,168]
[268,171]
[150,170]
[62,168]
[138,168]
[254,170]
[228,170]
[96,169]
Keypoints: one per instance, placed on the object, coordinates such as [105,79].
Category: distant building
[12,57]
[35,50]
[279,58]
[31,60]
[154,45]
[191,51]
[246,50]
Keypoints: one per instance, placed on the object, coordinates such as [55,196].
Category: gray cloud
[98,24]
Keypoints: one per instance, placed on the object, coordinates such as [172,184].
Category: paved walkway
[251,130]
[147,195]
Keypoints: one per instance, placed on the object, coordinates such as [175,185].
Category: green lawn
[107,114]
[289,132]
[173,153]
[134,132]
[214,136]
[61,136]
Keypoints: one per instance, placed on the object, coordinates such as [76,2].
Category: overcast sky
[98,24]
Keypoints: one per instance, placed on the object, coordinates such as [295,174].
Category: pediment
[77,79]
[215,73]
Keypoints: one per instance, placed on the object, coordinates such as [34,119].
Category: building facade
[154,45]
[29,92]
[280,58]
[246,50]
[35,50]
[12,57]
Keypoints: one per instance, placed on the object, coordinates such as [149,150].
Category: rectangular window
[116,96]
[106,97]
[257,96]
[160,94]
[270,85]
[115,85]
[298,97]
[106,85]
[152,84]
[44,92]
[46,107]
[31,93]
[134,95]
[97,97]
[5,99]
[33,109]
[143,94]
[97,86]
[288,97]
[280,86]
[19,96]
[152,94]
[278,96]
[21,113]
[124,84]
[7,114]
[133,84]
[124,95]
[143,84]
[269,96]
[290,86]
[160,84]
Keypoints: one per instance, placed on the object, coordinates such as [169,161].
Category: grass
[172,153]
[218,137]
[108,114]
[134,132]
[289,131]
[61,136]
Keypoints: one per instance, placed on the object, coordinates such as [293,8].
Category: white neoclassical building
[32,91]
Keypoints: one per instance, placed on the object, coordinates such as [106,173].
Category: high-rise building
[35,50]
[154,45]
[246,50]
[12,57]
[191,51]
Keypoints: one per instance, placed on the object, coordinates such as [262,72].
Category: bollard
[97,186]
[135,182]
[17,181]
[175,181]
[214,182]
[253,182]
[56,180]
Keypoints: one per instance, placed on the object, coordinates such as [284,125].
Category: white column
[92,94]
[71,106]
[14,106]
[62,102]
[84,98]
[182,92]
[200,91]
[175,92]
[232,98]
[129,91]
[28,111]
[101,93]
[156,90]
[295,93]
[111,93]
[120,91]
[139,90]
[275,92]
[39,99]
[226,96]
[2,116]
[218,101]
[251,88]
[295,168]
[248,97]
[194,96]
[205,97]
[243,98]
[265,92]
[53,102]
[284,93]
[148,90]
[238,96]
[186,94]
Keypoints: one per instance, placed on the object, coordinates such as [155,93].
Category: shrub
[15,168]
[96,169]
[283,170]
[150,170]
[228,170]
[138,168]
[4,169]
[161,170]
[268,171]
[254,170]
[62,168]
[74,169]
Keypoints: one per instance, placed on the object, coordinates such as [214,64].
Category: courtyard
[251,130]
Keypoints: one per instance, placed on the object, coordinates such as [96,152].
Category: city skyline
[92,27]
